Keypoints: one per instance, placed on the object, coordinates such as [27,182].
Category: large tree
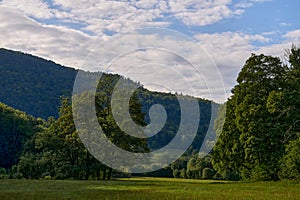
[58,151]
[250,145]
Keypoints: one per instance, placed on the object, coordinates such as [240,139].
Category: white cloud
[243,4]
[248,3]
[290,38]
[120,16]
[200,13]
[69,47]
[293,36]
[114,16]
[229,51]
[60,44]
[34,8]
[285,24]
[160,59]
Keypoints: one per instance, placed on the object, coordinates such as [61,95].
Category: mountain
[35,86]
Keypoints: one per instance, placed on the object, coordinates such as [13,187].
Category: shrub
[208,173]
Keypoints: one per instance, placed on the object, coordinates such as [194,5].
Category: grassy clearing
[146,188]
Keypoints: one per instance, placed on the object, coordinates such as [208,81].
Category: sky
[194,47]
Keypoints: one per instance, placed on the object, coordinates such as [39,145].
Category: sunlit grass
[147,188]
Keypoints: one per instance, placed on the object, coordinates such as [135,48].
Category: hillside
[33,84]
[16,127]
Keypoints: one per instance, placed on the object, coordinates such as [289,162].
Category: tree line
[258,137]
[54,149]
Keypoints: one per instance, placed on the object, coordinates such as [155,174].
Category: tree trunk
[109,173]
[98,174]
[87,162]
[104,173]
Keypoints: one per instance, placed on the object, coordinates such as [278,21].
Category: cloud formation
[112,16]
[67,31]
[63,45]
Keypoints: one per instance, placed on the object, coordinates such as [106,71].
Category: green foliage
[3,174]
[32,84]
[106,119]
[56,151]
[192,167]
[35,85]
[227,155]
[178,166]
[208,173]
[16,128]
[2,170]
[183,173]
[290,163]
[261,119]
[260,140]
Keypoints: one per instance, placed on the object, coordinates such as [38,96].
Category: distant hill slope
[33,84]
[16,127]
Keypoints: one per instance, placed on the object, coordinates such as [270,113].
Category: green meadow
[147,188]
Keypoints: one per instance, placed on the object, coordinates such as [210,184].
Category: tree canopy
[261,125]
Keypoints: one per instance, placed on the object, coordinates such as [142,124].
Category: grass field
[146,188]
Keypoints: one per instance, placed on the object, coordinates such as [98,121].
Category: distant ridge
[33,84]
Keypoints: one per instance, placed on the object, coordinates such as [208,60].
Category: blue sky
[65,31]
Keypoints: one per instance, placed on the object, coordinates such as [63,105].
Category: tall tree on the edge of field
[57,150]
[73,150]
[261,141]
[252,146]
[107,121]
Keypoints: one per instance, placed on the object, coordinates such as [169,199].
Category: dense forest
[16,128]
[32,84]
[259,139]
[56,122]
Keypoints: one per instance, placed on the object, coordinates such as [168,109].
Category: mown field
[146,188]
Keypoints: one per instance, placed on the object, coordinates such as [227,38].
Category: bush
[290,168]
[231,175]
[46,175]
[176,173]
[208,173]
[183,173]
[2,170]
[47,178]
[218,176]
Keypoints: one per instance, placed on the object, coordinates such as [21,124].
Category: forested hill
[33,84]
[16,127]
